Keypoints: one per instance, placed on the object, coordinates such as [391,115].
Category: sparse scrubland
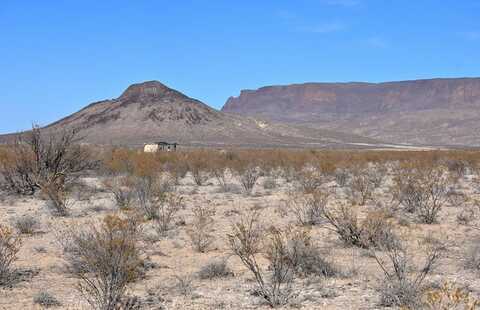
[86,227]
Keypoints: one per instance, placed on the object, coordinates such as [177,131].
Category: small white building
[159,146]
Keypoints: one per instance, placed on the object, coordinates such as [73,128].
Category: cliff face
[437,111]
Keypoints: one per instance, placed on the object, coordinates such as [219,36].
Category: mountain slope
[435,112]
[151,111]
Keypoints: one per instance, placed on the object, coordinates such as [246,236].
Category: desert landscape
[209,155]
[115,228]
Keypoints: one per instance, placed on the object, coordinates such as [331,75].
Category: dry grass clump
[26,224]
[10,244]
[450,297]
[46,300]
[105,258]
[215,269]
[200,232]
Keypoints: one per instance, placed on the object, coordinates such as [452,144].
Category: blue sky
[58,56]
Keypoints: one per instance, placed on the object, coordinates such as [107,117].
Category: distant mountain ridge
[151,111]
[431,111]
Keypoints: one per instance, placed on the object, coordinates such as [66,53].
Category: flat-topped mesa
[147,90]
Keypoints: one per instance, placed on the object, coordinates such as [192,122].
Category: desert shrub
[404,283]
[197,165]
[376,174]
[374,231]
[48,161]
[148,193]
[10,245]
[360,188]
[105,258]
[215,269]
[200,232]
[466,216]
[248,175]
[248,242]
[122,188]
[434,192]
[341,176]
[154,194]
[308,208]
[471,259]
[177,169]
[167,208]
[310,179]
[456,199]
[26,224]
[184,284]
[457,168]
[270,183]
[220,171]
[450,297]
[46,300]
[304,257]
[423,192]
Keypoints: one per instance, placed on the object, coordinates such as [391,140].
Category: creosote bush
[422,191]
[308,208]
[248,175]
[404,283]
[157,201]
[48,161]
[360,187]
[10,244]
[310,179]
[105,258]
[200,232]
[375,230]
[122,188]
[248,241]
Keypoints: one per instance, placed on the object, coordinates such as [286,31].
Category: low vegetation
[285,227]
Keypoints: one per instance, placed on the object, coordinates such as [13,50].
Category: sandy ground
[174,256]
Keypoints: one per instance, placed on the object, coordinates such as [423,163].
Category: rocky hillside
[151,111]
[434,112]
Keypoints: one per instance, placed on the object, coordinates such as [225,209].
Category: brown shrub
[10,245]
[105,258]
[48,161]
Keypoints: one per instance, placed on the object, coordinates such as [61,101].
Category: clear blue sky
[58,56]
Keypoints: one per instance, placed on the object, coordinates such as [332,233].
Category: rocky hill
[433,112]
